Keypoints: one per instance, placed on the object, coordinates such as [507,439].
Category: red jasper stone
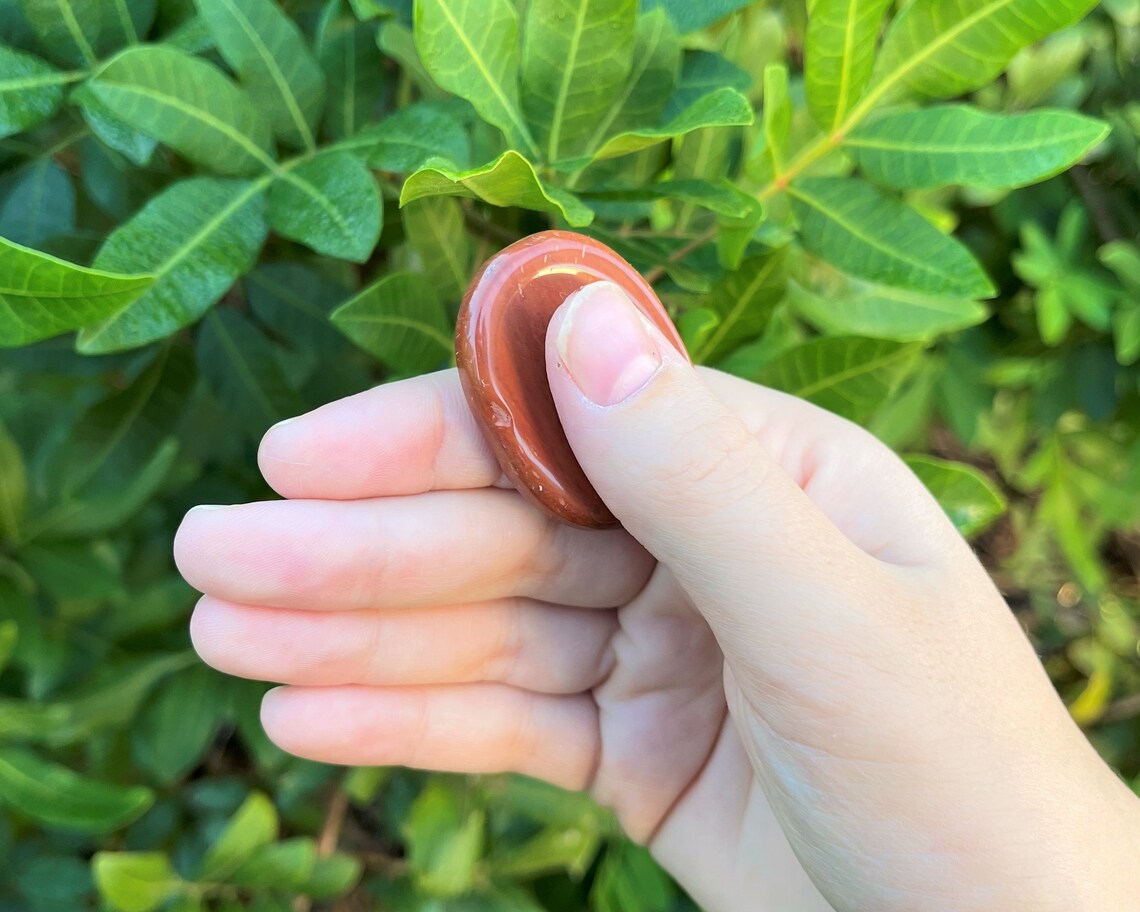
[500,344]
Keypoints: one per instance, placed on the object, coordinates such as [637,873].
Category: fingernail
[606,345]
[281,424]
[210,507]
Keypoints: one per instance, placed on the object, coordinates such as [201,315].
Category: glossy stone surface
[500,345]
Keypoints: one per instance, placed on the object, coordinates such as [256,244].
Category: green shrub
[217,214]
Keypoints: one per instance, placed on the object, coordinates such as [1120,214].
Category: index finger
[402,438]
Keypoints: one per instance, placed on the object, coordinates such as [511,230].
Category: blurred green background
[132,777]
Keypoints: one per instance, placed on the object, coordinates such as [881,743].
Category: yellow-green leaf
[839,55]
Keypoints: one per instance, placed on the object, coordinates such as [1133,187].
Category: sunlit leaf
[251,827]
[743,302]
[135,881]
[865,233]
[404,141]
[576,59]
[969,498]
[510,180]
[436,230]
[691,16]
[847,375]
[471,48]
[839,55]
[41,296]
[957,144]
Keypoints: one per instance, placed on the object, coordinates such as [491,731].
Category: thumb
[687,479]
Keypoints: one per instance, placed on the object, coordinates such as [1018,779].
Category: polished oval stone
[500,344]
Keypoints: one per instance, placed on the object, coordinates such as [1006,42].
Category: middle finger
[446,547]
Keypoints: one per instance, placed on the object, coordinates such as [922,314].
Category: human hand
[787,636]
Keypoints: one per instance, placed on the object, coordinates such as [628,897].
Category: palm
[424,616]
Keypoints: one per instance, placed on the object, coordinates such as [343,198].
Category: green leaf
[839,55]
[841,306]
[13,487]
[9,632]
[640,103]
[270,55]
[445,843]
[693,16]
[629,880]
[702,73]
[743,301]
[286,864]
[576,58]
[295,301]
[721,108]
[74,570]
[509,181]
[846,375]
[135,881]
[30,90]
[329,203]
[944,48]
[957,144]
[70,28]
[176,725]
[722,197]
[188,104]
[409,138]
[58,797]
[252,826]
[355,80]
[332,876]
[777,114]
[197,237]
[134,144]
[967,495]
[41,296]
[399,320]
[243,369]
[437,233]
[37,202]
[471,49]
[867,234]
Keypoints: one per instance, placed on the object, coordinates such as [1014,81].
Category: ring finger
[526,644]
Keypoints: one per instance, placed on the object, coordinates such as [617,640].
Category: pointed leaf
[134,144]
[37,202]
[295,300]
[71,29]
[854,226]
[198,237]
[188,104]
[13,487]
[58,797]
[722,108]
[329,203]
[240,365]
[176,725]
[957,144]
[354,79]
[656,63]
[134,881]
[777,114]
[944,48]
[406,140]
[967,495]
[508,181]
[846,375]
[269,54]
[41,296]
[400,321]
[252,826]
[839,55]
[843,306]
[744,301]
[332,876]
[445,841]
[470,48]
[576,58]
[435,228]
[279,865]
[30,90]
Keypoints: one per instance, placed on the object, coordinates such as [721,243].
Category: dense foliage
[215,214]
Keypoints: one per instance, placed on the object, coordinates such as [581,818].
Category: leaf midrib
[849,373]
[568,72]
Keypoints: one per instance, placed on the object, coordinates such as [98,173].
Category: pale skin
[787,674]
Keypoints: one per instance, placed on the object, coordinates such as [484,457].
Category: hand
[787,637]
